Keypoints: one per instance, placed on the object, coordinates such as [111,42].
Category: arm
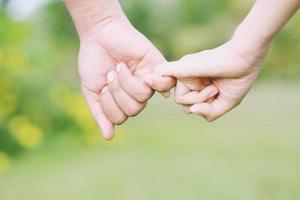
[265,19]
[86,14]
[232,67]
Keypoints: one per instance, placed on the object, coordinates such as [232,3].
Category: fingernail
[110,76]
[119,67]
[213,93]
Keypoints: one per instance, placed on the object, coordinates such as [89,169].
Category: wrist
[249,49]
[87,14]
[251,42]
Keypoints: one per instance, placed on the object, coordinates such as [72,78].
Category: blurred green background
[50,147]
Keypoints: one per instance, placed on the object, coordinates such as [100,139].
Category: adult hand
[104,44]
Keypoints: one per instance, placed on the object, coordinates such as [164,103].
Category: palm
[236,72]
[232,91]
[240,71]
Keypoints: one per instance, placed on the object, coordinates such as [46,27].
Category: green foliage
[38,82]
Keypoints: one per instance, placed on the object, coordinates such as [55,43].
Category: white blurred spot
[21,10]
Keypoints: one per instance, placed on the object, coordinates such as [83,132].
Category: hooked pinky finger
[195,97]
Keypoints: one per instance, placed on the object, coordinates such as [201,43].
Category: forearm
[88,13]
[266,18]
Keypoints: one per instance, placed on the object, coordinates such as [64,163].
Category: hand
[231,68]
[102,48]
[234,66]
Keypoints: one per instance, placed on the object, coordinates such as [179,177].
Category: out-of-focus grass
[252,153]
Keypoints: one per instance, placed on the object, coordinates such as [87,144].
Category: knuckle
[113,87]
[134,113]
[120,119]
[144,96]
[131,110]
[134,110]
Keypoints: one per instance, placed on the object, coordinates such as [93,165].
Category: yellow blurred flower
[75,106]
[78,110]
[16,61]
[27,134]
[7,104]
[4,162]
[9,97]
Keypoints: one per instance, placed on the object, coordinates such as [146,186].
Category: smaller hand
[124,96]
[231,70]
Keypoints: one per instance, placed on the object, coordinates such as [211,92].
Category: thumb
[160,84]
[203,64]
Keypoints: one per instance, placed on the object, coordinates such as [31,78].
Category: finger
[203,64]
[132,85]
[211,100]
[159,83]
[186,85]
[125,102]
[110,108]
[194,84]
[105,125]
[181,89]
[212,111]
[195,97]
